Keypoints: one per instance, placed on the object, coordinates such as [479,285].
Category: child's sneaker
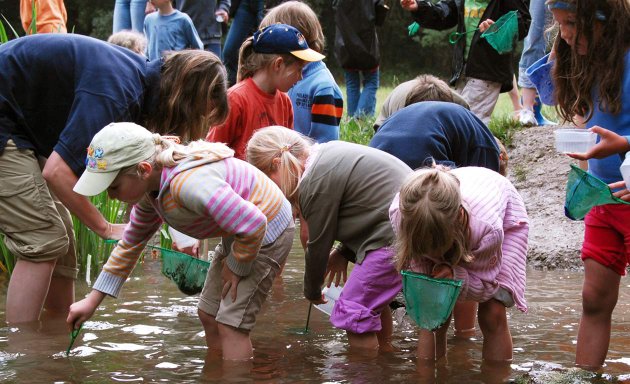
[527,118]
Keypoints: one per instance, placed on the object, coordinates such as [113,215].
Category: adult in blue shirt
[445,132]
[56,92]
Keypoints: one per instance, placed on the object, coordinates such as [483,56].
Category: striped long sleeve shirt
[498,236]
[317,103]
[229,197]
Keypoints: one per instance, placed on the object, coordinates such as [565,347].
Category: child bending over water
[466,224]
[203,191]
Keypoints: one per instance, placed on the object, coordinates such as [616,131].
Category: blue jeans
[129,14]
[243,25]
[214,48]
[361,102]
[535,43]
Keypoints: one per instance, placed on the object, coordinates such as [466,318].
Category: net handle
[455,36]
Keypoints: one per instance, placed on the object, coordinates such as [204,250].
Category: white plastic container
[332,295]
[180,239]
[625,170]
[574,140]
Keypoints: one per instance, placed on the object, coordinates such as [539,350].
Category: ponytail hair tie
[285,148]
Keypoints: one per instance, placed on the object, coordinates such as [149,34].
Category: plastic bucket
[539,74]
[430,301]
[574,140]
[188,273]
[332,295]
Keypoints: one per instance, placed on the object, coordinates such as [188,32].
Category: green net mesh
[585,191]
[189,273]
[429,301]
[503,34]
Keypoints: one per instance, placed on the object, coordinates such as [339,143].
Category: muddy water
[151,334]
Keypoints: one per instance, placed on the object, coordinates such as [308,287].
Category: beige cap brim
[93,183]
[308,55]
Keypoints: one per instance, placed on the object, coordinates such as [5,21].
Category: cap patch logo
[94,159]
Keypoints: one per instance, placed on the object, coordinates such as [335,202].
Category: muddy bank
[540,174]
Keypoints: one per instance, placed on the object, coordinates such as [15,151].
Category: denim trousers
[361,102]
[214,48]
[243,25]
[129,14]
[535,44]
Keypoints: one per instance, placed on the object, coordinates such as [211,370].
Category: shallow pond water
[152,334]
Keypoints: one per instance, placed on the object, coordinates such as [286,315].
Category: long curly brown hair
[577,76]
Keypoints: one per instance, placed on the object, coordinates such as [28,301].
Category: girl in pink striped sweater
[203,191]
[466,224]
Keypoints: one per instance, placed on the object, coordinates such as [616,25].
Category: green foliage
[358,131]
[7,261]
[90,248]
[5,38]
[504,127]
[3,34]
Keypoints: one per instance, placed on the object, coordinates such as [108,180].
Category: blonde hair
[280,149]
[250,62]
[131,40]
[169,152]
[193,95]
[299,15]
[433,221]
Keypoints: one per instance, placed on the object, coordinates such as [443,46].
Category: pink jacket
[498,227]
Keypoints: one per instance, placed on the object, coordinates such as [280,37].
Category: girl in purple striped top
[466,224]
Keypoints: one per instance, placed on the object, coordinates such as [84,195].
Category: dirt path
[540,174]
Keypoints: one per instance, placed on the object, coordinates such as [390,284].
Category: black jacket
[356,43]
[202,14]
[483,61]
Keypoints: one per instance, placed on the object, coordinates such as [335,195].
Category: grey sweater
[345,196]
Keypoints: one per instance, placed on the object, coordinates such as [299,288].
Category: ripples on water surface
[152,334]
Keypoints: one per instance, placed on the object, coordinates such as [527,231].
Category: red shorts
[607,236]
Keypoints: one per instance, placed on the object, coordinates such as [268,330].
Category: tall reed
[90,248]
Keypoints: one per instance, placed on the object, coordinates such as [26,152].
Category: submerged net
[188,273]
[585,191]
[430,301]
[503,34]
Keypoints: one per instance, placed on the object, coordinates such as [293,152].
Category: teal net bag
[585,191]
[503,34]
[187,272]
[430,301]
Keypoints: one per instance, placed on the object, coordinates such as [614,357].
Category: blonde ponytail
[282,150]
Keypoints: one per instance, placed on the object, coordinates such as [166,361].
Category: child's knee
[597,302]
[206,319]
[492,316]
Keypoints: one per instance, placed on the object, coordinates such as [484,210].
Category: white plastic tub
[574,140]
[332,295]
[625,170]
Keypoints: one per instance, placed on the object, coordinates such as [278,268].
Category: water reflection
[152,334]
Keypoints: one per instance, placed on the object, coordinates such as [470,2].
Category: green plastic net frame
[430,301]
[187,272]
[585,191]
[503,34]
